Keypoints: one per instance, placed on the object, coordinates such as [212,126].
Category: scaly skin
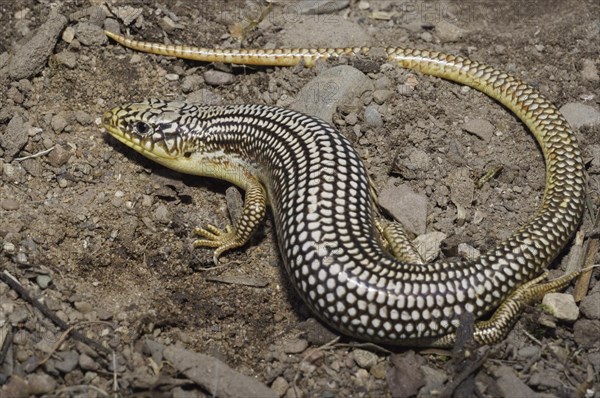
[319,191]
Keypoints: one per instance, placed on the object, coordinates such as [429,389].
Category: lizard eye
[142,128]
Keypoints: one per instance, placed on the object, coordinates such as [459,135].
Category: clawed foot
[223,240]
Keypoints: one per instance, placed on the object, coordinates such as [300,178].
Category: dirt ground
[102,236]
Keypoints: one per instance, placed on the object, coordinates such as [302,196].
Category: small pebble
[191,83]
[448,32]
[586,332]
[19,315]
[62,182]
[68,34]
[362,377]
[154,349]
[510,385]
[135,58]
[316,7]
[59,156]
[280,386]
[589,71]
[379,370]
[14,94]
[21,337]
[295,346]
[66,58]
[167,24]
[9,204]
[365,359]
[407,206]
[68,362]
[467,251]
[161,214]
[172,77]
[405,89]
[294,392]
[40,384]
[434,381]
[545,379]
[83,117]
[75,46]
[21,258]
[89,34]
[562,306]
[9,248]
[529,351]
[579,115]
[372,116]
[147,200]
[380,96]
[412,80]
[43,281]
[426,36]
[14,138]
[383,83]
[127,14]
[16,387]
[87,363]
[480,128]
[351,118]
[59,122]
[429,245]
[31,364]
[204,97]
[590,306]
[83,307]
[218,78]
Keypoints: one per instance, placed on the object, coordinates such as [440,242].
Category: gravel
[141,275]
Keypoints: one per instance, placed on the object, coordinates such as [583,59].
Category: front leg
[233,237]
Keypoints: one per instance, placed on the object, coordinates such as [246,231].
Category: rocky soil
[99,238]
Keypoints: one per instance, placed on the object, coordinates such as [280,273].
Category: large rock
[31,58]
[336,86]
[579,115]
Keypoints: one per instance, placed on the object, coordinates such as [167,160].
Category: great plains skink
[347,264]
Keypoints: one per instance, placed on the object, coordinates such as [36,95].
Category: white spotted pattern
[319,191]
